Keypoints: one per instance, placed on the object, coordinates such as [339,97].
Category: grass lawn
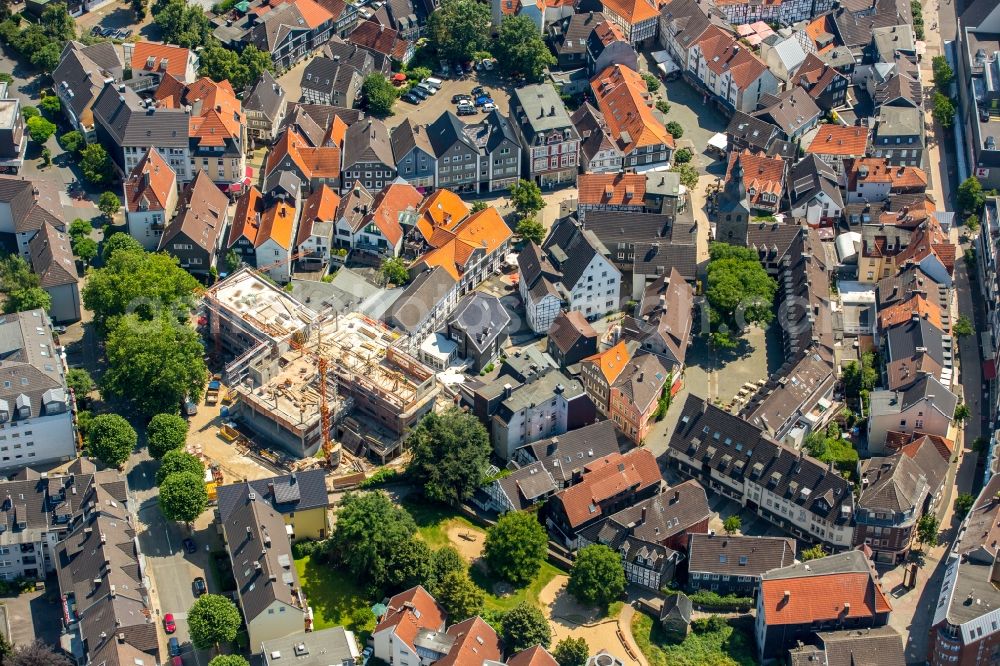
[434,520]
[336,599]
[529,593]
[732,646]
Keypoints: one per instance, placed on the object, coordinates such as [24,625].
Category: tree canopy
[378,94]
[963,504]
[515,547]
[409,565]
[814,553]
[526,198]
[368,531]
[118,241]
[732,524]
[178,462]
[95,163]
[228,660]
[40,129]
[183,496]
[182,24]
[830,447]
[597,577]
[943,110]
[36,653]
[963,327]
[21,286]
[459,596]
[451,453]
[459,28]
[525,626]
[154,364]
[109,204]
[571,651]
[111,439]
[141,283]
[943,74]
[519,48]
[213,619]
[166,432]
[738,286]
[444,560]
[242,69]
[80,382]
[927,530]
[970,195]
[531,230]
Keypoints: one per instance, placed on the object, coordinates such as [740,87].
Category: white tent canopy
[718,141]
[665,63]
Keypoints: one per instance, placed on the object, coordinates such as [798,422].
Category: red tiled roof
[246,219]
[484,231]
[389,205]
[410,611]
[846,141]
[441,210]
[826,598]
[723,53]
[321,206]
[606,478]
[878,170]
[904,311]
[626,104]
[150,183]
[377,37]
[533,656]
[611,361]
[475,643]
[172,59]
[313,13]
[611,188]
[632,11]
[314,162]
[761,174]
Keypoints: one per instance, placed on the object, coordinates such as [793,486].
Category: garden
[713,640]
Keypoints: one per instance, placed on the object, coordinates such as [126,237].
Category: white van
[427,88]
[437,83]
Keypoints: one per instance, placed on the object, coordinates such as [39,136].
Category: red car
[177,661]
[168,623]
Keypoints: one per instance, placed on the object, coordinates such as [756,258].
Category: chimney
[552,110]
[507,390]
[787,595]
[642,516]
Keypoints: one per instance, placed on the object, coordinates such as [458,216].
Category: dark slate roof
[688,20]
[320,116]
[265,96]
[446,131]
[899,287]
[419,298]
[855,29]
[367,141]
[810,176]
[731,445]
[407,136]
[79,74]
[576,31]
[320,74]
[893,484]
[568,327]
[676,606]
[33,377]
[261,555]
[292,492]
[595,136]
[499,128]
[881,646]
[527,485]
[571,249]
[790,110]
[119,111]
[567,454]
[739,555]
[654,520]
[757,132]
[903,340]
[482,316]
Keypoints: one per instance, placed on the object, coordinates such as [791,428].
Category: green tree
[972,224]
[459,28]
[531,230]
[21,286]
[943,74]
[36,653]
[444,560]
[72,141]
[40,129]
[927,530]
[451,453]
[688,174]
[228,660]
[409,565]
[111,439]
[85,248]
[95,164]
[459,596]
[963,327]
[255,62]
[46,58]
[57,23]
[520,49]
[478,206]
[140,283]
[213,619]
[829,447]
[515,547]
[652,83]
[370,527]
[50,106]
[220,64]
[682,156]
[597,577]
[109,204]
[232,261]
[964,504]
[944,110]
[675,128]
[813,553]
[526,198]
[394,271]
[571,652]
[154,364]
[183,497]
[177,461]
[46,156]
[80,382]
[962,412]
[118,241]
[738,286]
[182,24]
[29,112]
[732,524]
[525,626]
[378,94]
[970,195]
[165,433]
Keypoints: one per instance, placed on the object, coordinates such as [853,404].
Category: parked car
[458,99]
[200,587]
[59,330]
[478,91]
[174,646]
[489,106]
[483,100]
[177,661]
[430,90]
[127,34]
[366,654]
[437,83]
[411,98]
[189,546]
[190,406]
[169,625]
[416,90]
[466,110]
[95,31]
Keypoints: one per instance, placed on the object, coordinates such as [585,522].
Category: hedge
[715,601]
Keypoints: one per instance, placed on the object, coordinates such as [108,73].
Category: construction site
[342,373]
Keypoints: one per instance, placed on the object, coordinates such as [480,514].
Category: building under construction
[375,392]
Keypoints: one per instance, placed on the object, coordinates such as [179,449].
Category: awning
[990,369]
[399,76]
[249,172]
[718,141]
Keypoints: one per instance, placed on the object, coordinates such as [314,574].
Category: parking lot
[431,109]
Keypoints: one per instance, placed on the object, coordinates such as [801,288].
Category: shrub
[380,477]
[729,603]
[304,548]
